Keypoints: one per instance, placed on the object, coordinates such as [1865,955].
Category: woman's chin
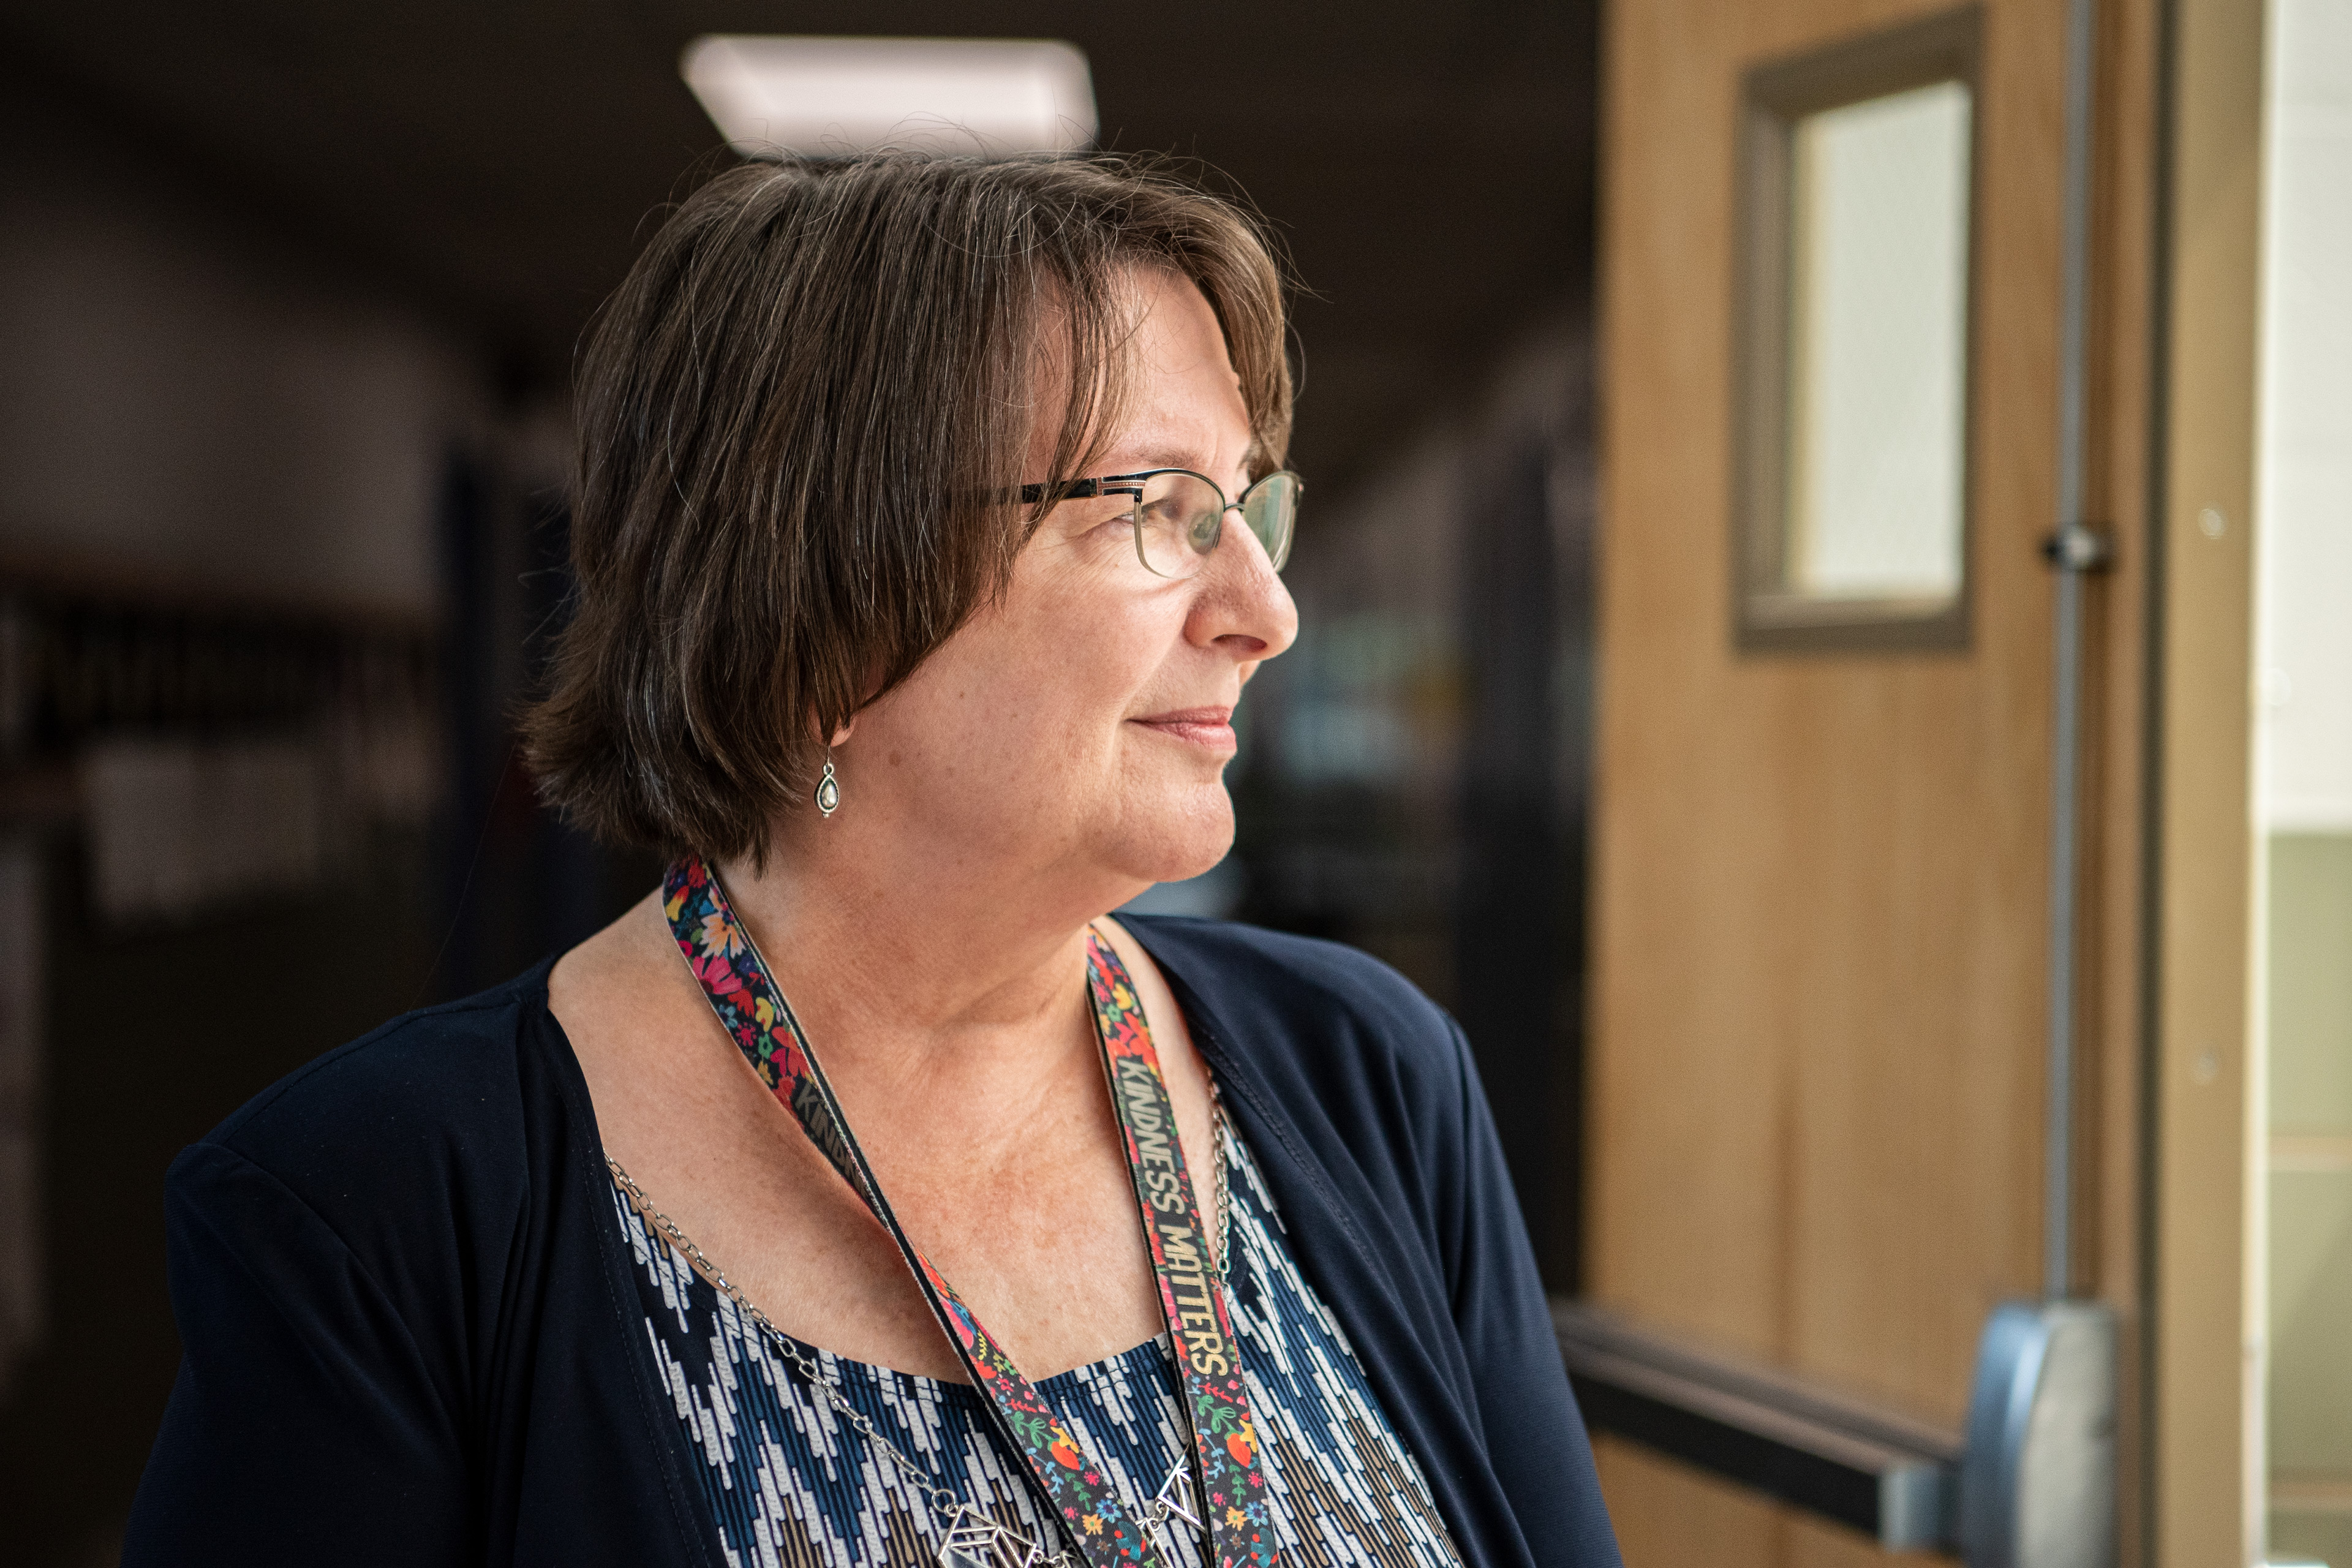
[1184,842]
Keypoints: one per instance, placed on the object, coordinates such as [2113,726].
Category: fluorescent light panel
[999,96]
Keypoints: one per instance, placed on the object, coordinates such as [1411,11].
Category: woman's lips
[1209,727]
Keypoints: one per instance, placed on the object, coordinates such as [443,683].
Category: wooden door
[1822,882]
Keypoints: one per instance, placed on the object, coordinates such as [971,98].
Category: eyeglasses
[1180,516]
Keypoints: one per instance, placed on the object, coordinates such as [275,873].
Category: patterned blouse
[791,1485]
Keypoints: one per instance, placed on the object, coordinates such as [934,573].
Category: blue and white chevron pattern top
[791,1485]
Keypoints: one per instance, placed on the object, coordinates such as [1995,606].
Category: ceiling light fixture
[834,96]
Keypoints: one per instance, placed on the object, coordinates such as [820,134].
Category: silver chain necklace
[968,1538]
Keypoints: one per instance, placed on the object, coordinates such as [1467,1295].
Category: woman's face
[1079,728]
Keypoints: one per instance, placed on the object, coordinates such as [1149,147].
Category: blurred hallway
[288,298]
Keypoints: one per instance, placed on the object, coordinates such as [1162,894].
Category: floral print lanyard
[744,996]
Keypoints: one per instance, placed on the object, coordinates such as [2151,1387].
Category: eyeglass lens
[1180,517]
[1270,507]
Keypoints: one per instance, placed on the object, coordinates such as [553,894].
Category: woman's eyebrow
[1157,444]
[1155,457]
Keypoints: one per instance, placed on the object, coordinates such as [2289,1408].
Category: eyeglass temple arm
[1121,485]
[1077,490]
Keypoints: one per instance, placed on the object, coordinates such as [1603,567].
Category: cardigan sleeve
[306,1426]
[1536,1438]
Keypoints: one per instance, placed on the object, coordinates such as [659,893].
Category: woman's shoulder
[433,1104]
[1311,970]
[1323,1004]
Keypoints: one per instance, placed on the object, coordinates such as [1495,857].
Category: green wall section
[2310,1034]
[2310,990]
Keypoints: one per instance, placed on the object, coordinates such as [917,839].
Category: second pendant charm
[828,791]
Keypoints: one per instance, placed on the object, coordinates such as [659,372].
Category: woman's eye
[1167,513]
[1106,523]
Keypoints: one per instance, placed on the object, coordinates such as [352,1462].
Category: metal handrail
[1887,1474]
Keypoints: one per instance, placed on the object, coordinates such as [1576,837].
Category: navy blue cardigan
[410,1331]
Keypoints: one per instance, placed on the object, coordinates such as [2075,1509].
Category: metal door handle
[2038,1476]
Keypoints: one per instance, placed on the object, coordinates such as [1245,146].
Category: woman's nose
[1245,597]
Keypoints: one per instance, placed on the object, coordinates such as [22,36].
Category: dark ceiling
[1429,165]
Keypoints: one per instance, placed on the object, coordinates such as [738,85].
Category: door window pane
[1851,495]
[1878,361]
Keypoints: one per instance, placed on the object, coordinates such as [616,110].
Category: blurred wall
[1412,778]
[218,431]
[2302,797]
[196,396]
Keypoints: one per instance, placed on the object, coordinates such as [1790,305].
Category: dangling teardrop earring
[828,788]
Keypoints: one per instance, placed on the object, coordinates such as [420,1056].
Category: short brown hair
[794,417]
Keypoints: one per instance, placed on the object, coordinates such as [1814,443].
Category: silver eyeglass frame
[1133,485]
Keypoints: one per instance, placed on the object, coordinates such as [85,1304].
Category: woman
[927,530]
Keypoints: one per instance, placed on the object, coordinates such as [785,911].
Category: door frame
[2204,1496]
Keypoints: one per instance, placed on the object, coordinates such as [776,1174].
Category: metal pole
[2076,550]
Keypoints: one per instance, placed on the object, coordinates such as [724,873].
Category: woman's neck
[916,953]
